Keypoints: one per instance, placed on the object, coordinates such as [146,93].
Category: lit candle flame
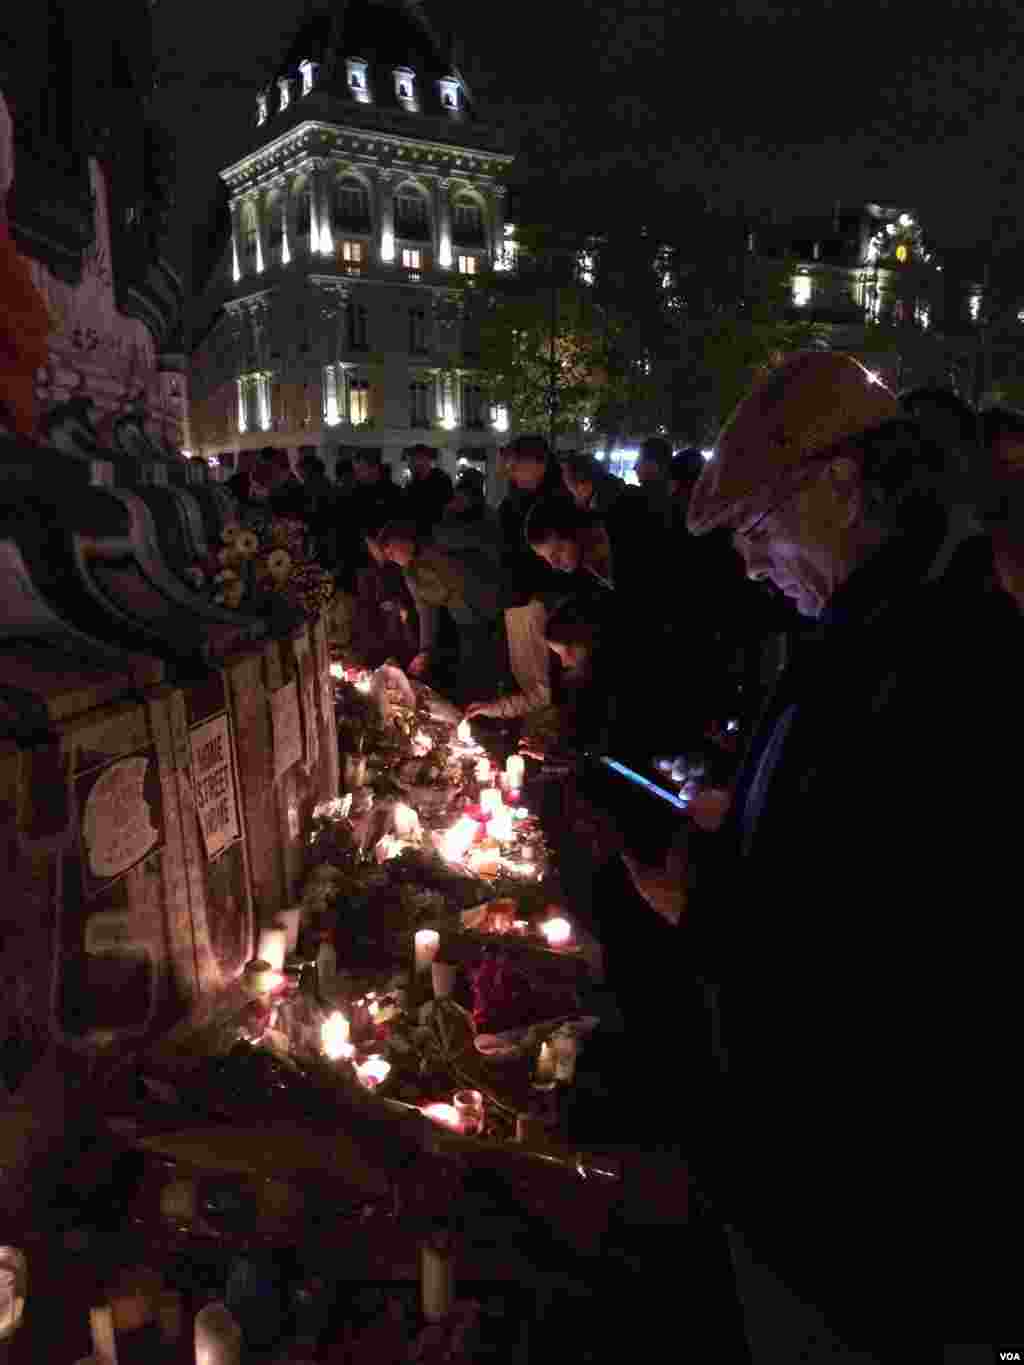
[456,842]
[445,1114]
[334,1034]
[464,733]
[337,671]
[557,931]
[373,1071]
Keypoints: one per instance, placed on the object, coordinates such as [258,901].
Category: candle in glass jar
[445,1114]
[334,1037]
[455,843]
[271,947]
[546,1063]
[515,771]
[464,733]
[218,1336]
[483,770]
[373,1072]
[469,1108]
[490,802]
[557,931]
[260,978]
[427,946]
[500,826]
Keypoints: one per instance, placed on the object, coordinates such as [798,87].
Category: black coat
[524,574]
[854,933]
[367,503]
[426,499]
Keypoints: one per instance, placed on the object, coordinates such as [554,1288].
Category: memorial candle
[515,771]
[334,1037]
[557,931]
[483,770]
[490,801]
[407,822]
[373,1071]
[218,1336]
[272,946]
[427,946]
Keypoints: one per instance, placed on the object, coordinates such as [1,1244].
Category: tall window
[417,331]
[358,400]
[357,327]
[352,204]
[411,258]
[474,409]
[420,393]
[411,215]
[467,265]
[467,222]
[352,253]
[275,231]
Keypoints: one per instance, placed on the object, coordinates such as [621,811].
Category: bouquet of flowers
[261,559]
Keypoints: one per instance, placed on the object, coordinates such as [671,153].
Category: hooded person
[846,924]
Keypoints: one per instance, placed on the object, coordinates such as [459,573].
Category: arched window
[467,221]
[411,218]
[352,205]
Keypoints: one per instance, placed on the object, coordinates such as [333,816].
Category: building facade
[344,310]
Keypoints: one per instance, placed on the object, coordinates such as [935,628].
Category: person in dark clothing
[429,491]
[654,463]
[568,540]
[321,509]
[684,471]
[590,485]
[469,499]
[533,473]
[848,921]
[344,478]
[375,498]
[384,621]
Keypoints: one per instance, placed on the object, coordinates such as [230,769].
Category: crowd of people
[840,586]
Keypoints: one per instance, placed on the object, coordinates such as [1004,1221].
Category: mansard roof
[386,34]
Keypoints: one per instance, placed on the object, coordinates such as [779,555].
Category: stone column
[497,199]
[236,240]
[259,203]
[386,215]
[323,234]
[443,222]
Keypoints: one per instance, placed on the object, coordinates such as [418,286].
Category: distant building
[371,196]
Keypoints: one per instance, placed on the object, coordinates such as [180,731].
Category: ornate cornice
[327,141]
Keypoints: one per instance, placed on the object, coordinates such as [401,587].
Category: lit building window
[285,87]
[448,402]
[499,417]
[357,79]
[902,254]
[801,290]
[243,423]
[467,265]
[906,220]
[450,90]
[974,307]
[1020,315]
[261,109]
[405,86]
[306,70]
[352,253]
[411,258]
[585,267]
[250,239]
[924,316]
[263,399]
[358,401]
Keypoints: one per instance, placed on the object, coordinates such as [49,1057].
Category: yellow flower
[247,543]
[230,532]
[279,564]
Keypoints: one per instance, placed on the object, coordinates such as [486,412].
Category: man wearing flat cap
[849,921]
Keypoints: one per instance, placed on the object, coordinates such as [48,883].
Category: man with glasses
[846,923]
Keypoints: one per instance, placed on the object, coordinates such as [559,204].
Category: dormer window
[450,88]
[405,86]
[261,109]
[307,70]
[285,87]
[357,81]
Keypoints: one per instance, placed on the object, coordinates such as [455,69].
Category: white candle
[437,1282]
[334,1037]
[271,947]
[407,822]
[464,733]
[483,770]
[515,771]
[427,946]
[557,931]
[101,1325]
[546,1063]
[218,1336]
[500,826]
[490,801]
[445,1114]
[289,921]
[373,1071]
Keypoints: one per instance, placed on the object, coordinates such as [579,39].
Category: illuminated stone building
[371,193]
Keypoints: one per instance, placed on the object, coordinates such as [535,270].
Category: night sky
[797,104]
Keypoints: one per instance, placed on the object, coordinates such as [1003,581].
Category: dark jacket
[366,503]
[524,574]
[857,954]
[426,499]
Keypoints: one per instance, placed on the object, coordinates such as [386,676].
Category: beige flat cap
[809,403]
